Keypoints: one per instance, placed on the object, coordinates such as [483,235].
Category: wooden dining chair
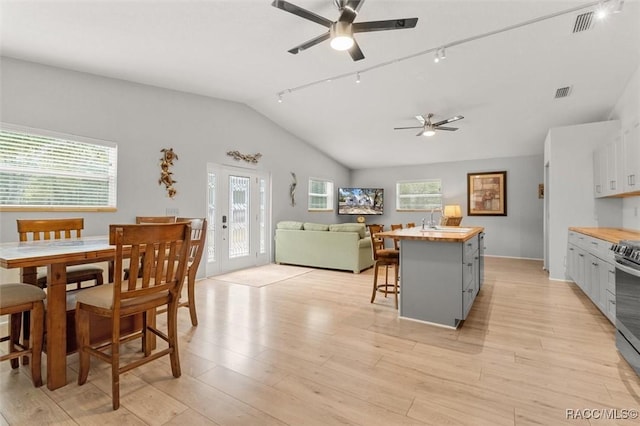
[197,245]
[149,219]
[411,225]
[155,219]
[56,229]
[163,249]
[16,299]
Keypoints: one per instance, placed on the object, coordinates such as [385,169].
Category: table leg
[28,275]
[56,326]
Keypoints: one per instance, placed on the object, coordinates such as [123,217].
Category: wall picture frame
[487,194]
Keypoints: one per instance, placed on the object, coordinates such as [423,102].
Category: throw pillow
[308,226]
[290,224]
[348,227]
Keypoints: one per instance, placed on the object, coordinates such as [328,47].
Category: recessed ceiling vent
[583,22]
[563,92]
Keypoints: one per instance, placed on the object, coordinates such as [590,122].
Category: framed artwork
[487,194]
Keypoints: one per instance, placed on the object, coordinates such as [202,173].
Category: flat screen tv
[360,201]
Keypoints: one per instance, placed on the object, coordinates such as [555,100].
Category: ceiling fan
[341,31]
[428,128]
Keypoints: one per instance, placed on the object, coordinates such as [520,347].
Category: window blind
[419,195]
[39,169]
[320,194]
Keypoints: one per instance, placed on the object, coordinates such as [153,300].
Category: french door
[239,213]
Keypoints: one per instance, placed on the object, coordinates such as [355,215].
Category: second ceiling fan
[341,31]
[428,128]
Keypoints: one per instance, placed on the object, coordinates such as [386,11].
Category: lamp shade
[452,210]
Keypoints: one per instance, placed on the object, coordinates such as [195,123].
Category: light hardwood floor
[312,350]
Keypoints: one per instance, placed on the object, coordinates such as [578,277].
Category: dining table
[55,255]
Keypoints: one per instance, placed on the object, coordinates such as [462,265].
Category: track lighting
[439,55]
[346,31]
[606,7]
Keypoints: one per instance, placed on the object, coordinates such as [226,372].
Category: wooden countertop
[433,234]
[613,235]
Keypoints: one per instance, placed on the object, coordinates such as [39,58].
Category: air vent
[563,92]
[583,22]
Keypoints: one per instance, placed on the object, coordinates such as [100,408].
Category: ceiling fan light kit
[341,36]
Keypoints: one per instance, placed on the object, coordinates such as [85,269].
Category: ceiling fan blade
[303,13]
[403,128]
[355,52]
[421,119]
[309,43]
[449,120]
[420,133]
[453,129]
[392,24]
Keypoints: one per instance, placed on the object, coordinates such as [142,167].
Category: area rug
[261,276]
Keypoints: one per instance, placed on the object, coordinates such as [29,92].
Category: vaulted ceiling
[504,62]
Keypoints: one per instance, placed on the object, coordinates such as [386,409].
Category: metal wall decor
[246,157]
[292,189]
[165,174]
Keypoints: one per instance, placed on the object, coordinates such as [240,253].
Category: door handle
[224,226]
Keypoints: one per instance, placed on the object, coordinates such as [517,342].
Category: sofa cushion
[365,242]
[289,224]
[348,227]
[309,226]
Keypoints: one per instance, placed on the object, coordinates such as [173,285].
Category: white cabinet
[590,265]
[631,159]
[599,171]
[610,175]
[616,165]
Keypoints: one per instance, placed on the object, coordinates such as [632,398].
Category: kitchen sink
[450,229]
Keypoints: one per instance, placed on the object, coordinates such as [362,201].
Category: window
[320,195]
[41,169]
[419,195]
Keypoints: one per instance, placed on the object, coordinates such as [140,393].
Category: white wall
[569,153]
[627,110]
[519,234]
[144,119]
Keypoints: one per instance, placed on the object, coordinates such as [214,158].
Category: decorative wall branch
[292,189]
[246,157]
[165,175]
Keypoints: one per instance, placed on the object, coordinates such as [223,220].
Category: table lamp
[451,215]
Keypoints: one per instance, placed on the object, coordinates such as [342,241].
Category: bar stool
[384,257]
[15,299]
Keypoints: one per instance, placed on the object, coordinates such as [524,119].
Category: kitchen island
[440,272]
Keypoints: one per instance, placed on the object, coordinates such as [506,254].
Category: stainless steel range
[627,255]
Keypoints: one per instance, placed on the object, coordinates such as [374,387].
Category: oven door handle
[624,268]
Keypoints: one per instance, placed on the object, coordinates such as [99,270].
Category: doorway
[239,217]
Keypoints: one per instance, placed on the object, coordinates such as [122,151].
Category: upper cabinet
[631,158]
[616,165]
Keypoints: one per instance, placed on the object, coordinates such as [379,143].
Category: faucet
[423,223]
[432,223]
